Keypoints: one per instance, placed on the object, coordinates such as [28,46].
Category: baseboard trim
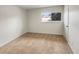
[46,33]
[69,44]
[6,42]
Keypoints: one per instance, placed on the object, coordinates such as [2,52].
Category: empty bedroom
[36,29]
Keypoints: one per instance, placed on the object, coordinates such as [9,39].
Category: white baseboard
[6,42]
[47,33]
[69,43]
[9,40]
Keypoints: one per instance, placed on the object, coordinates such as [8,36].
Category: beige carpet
[34,43]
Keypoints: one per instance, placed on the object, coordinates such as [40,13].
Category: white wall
[74,27]
[13,23]
[72,20]
[35,24]
[66,22]
[66,26]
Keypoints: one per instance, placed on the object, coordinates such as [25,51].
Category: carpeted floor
[36,43]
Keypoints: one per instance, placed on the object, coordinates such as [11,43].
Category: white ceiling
[34,6]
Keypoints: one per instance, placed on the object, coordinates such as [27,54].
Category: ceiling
[34,6]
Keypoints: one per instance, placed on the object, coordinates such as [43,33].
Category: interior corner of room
[15,21]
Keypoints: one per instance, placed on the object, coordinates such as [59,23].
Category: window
[49,17]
